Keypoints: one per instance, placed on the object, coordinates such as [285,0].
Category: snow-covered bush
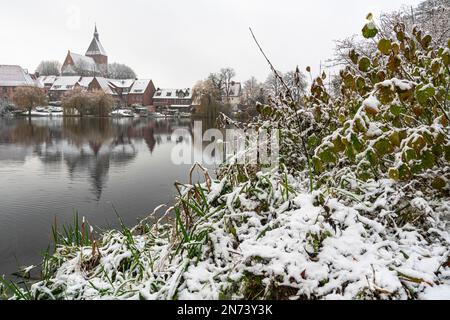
[391,120]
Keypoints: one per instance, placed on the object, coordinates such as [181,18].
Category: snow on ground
[263,240]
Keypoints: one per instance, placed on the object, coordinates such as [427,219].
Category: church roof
[81,63]
[96,47]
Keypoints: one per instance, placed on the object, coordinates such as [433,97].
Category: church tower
[98,53]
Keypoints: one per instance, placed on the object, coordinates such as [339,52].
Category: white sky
[179,42]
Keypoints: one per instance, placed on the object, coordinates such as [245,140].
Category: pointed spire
[96,32]
[96,48]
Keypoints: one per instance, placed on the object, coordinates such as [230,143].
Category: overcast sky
[176,43]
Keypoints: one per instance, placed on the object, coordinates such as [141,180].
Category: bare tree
[49,68]
[227,75]
[296,82]
[273,86]
[27,98]
[120,71]
[253,92]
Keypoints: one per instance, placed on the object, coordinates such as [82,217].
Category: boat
[141,112]
[123,113]
[55,109]
[185,114]
[156,115]
[37,112]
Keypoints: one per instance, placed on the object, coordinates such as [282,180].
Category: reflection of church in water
[90,149]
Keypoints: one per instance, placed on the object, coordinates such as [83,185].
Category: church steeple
[98,53]
[96,36]
[96,48]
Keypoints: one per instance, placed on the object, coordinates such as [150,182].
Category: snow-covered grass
[266,237]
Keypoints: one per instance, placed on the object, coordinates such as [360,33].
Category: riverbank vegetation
[356,208]
[87,103]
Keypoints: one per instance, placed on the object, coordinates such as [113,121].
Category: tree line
[214,94]
[115,70]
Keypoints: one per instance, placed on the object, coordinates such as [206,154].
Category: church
[93,63]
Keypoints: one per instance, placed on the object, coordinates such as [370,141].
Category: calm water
[51,167]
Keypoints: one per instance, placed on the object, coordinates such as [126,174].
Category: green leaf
[394,174]
[384,45]
[371,157]
[424,93]
[446,58]
[427,159]
[313,141]
[404,172]
[382,146]
[364,64]
[327,156]
[395,109]
[426,41]
[438,183]
[353,56]
[369,30]
[317,163]
[357,145]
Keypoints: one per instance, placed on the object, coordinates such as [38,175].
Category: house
[94,62]
[175,99]
[233,95]
[61,86]
[47,82]
[125,92]
[95,84]
[101,84]
[141,93]
[13,76]
[122,89]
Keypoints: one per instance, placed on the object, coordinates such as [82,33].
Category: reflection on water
[51,167]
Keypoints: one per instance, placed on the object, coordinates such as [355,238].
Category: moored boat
[122,113]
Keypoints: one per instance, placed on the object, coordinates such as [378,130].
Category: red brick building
[175,99]
[12,77]
[141,93]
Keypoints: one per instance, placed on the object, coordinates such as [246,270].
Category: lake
[50,168]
